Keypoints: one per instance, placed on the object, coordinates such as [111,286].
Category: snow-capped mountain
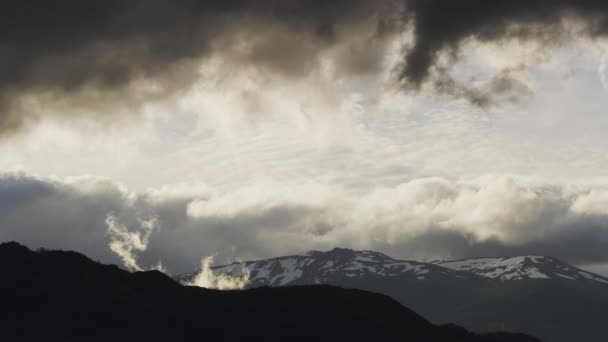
[482,294]
[316,267]
[521,267]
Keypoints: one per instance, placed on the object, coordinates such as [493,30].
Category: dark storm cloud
[85,56]
[442,25]
[63,48]
[67,43]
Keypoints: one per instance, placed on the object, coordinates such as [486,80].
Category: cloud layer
[80,57]
[425,218]
[108,60]
[441,26]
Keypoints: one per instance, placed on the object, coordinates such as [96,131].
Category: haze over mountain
[538,295]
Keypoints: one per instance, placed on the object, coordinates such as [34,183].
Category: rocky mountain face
[534,294]
[64,296]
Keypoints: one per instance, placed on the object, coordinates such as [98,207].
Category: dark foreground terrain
[56,295]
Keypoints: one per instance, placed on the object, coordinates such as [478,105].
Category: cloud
[441,27]
[602,69]
[425,218]
[498,88]
[106,61]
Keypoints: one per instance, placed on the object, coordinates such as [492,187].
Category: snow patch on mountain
[315,267]
[520,268]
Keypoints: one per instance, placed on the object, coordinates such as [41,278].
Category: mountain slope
[53,295]
[316,267]
[537,295]
[522,267]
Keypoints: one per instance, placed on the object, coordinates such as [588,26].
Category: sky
[161,132]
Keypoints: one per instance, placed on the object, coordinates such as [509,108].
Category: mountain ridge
[541,296]
[500,268]
[521,267]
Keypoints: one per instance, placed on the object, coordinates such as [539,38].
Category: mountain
[522,267]
[65,296]
[316,267]
[538,295]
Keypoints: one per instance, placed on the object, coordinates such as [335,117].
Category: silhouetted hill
[56,295]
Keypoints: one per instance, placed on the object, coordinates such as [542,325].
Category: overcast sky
[422,129]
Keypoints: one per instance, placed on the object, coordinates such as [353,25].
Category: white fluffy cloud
[424,218]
